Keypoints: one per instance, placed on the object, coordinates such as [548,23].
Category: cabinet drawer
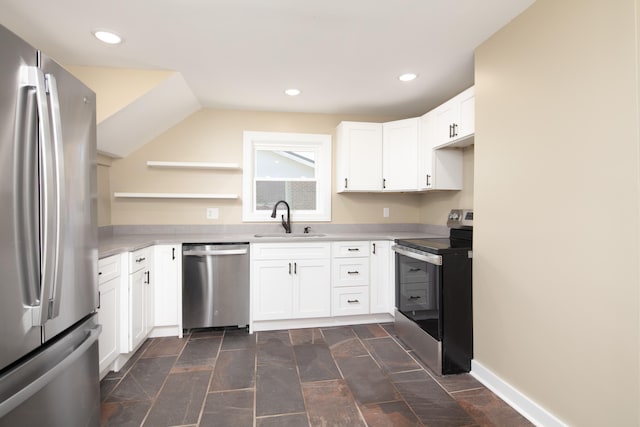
[350,272]
[139,259]
[350,300]
[350,249]
[311,250]
[108,268]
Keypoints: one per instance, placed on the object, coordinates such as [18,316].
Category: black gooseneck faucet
[286,224]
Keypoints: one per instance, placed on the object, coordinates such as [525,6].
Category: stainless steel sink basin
[289,235]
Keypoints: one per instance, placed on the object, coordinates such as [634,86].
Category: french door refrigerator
[48,242]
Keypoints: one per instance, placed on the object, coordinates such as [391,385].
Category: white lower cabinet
[136,302]
[362,278]
[350,278]
[167,290]
[290,280]
[382,273]
[109,278]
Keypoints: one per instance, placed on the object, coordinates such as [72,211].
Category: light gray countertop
[115,240]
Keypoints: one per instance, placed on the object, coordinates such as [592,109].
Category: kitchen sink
[289,235]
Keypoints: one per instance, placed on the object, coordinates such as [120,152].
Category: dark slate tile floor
[341,376]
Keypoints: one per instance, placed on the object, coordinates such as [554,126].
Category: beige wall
[556,198]
[216,136]
[117,87]
[435,205]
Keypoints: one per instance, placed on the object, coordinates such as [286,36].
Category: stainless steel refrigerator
[48,242]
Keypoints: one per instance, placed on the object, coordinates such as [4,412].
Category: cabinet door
[455,119]
[359,157]
[425,150]
[382,283]
[108,317]
[441,169]
[445,116]
[400,155]
[272,282]
[137,308]
[467,120]
[312,288]
[167,260]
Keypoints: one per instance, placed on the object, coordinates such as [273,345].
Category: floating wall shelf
[192,165]
[175,196]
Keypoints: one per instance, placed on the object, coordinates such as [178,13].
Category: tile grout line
[164,382]
[213,368]
[343,379]
[295,361]
[254,420]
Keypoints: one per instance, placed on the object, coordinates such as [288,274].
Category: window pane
[300,195]
[285,164]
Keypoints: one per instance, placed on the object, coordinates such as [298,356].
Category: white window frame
[284,141]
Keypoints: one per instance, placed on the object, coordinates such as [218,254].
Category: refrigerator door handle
[39,383]
[60,199]
[34,77]
[27,215]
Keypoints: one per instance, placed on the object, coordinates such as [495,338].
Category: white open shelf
[175,196]
[192,165]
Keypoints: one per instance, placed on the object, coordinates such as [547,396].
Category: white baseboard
[516,399]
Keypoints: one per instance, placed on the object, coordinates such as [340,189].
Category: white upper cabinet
[440,169]
[377,156]
[400,155]
[359,156]
[455,120]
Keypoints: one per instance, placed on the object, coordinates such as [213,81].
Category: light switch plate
[212,213]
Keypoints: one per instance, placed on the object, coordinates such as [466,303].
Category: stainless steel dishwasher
[215,285]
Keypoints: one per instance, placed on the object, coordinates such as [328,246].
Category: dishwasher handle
[214,252]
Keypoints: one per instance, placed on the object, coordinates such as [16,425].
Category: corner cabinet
[440,169]
[290,280]
[400,159]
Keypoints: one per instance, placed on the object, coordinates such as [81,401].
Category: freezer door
[19,224]
[58,386]
[75,245]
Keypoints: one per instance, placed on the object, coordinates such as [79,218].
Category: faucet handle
[306,229]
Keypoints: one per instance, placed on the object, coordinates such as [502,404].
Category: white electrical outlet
[212,213]
[385,212]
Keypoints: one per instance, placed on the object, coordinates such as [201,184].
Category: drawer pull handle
[413,270]
[412,297]
[353,272]
[140,259]
[353,301]
[99,273]
[353,249]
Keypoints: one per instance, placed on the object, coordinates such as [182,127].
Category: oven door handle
[422,256]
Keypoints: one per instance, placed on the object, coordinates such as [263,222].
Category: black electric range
[459,240]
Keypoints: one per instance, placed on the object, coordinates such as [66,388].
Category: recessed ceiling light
[407,77]
[107,36]
[292,92]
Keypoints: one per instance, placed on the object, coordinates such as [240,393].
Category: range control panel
[460,218]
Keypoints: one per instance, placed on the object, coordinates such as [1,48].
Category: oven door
[418,290]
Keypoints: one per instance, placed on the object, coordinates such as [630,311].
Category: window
[286,166]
